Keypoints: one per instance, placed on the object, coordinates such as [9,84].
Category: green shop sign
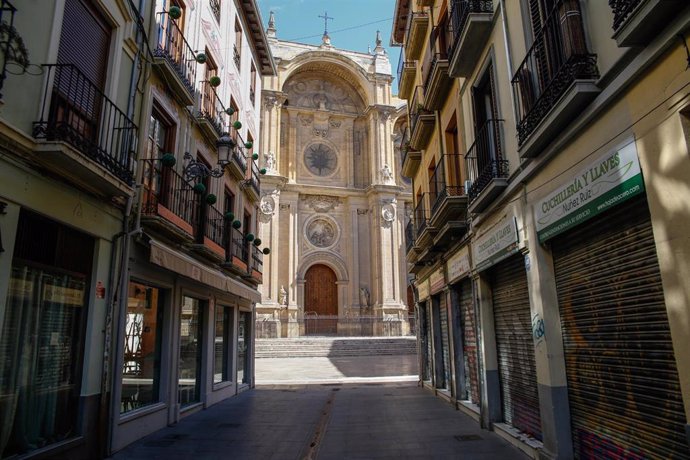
[496,244]
[609,181]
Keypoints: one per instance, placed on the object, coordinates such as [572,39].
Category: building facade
[550,301]
[333,201]
[130,189]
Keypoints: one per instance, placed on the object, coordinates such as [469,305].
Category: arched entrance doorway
[320,301]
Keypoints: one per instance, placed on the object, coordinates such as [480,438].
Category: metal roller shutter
[445,343]
[469,341]
[625,399]
[516,363]
[426,340]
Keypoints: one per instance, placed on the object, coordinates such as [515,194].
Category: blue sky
[297,20]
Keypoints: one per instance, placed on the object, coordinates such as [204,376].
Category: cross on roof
[325,20]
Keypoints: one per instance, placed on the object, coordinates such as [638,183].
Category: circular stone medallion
[321,232]
[320,159]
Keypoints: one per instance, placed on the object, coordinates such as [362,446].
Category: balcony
[448,201]
[85,136]
[211,114]
[252,185]
[555,81]
[169,203]
[236,56]
[406,74]
[210,229]
[471,20]
[252,96]
[486,169]
[175,59]
[215,9]
[637,22]
[437,82]
[411,159]
[257,264]
[237,163]
[237,253]
[416,34]
[422,121]
[409,236]
[425,230]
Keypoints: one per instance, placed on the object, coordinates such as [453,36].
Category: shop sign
[458,265]
[423,290]
[604,183]
[437,280]
[497,244]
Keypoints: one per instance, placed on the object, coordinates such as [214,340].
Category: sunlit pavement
[331,421]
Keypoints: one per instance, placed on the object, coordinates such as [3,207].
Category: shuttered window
[515,347]
[623,389]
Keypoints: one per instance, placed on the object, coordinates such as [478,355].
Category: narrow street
[328,421]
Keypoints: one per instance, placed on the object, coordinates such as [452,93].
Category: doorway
[320,301]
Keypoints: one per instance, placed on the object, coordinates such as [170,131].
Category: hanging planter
[211,198]
[175,12]
[199,188]
[262,171]
[168,160]
[248,144]
[249,237]
[229,215]
[214,81]
[257,242]
[230,111]
[201,58]
[237,124]
[236,224]
[266,251]
[255,156]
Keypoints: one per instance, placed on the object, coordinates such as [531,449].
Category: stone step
[334,347]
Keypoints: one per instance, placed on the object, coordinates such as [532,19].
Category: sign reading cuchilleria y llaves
[423,290]
[606,182]
[458,265]
[437,280]
[496,244]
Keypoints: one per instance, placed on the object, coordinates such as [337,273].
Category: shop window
[43,335]
[191,340]
[142,347]
[222,344]
[243,347]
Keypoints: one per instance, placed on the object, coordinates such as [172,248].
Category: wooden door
[320,301]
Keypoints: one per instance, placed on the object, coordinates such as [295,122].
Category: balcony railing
[215,8]
[173,46]
[211,108]
[257,259]
[254,181]
[421,216]
[622,9]
[239,157]
[484,159]
[211,225]
[446,178]
[252,96]
[236,56]
[417,107]
[460,11]
[555,60]
[77,112]
[164,186]
[240,246]
[409,235]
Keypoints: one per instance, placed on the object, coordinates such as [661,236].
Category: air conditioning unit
[468,185]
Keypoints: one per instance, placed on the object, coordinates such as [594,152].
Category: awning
[178,262]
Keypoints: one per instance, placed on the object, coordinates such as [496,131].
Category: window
[228,201]
[233,118]
[208,97]
[191,340]
[252,85]
[237,48]
[244,341]
[142,348]
[159,142]
[222,344]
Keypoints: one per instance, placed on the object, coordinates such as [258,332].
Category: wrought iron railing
[77,112]
[404,65]
[252,96]
[409,235]
[173,46]
[164,186]
[254,181]
[211,108]
[236,56]
[484,159]
[622,9]
[257,259]
[239,157]
[447,177]
[212,224]
[417,107]
[557,57]
[421,216]
[7,11]
[240,246]
[412,16]
[215,8]
[460,11]
[405,148]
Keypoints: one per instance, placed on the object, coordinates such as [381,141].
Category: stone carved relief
[322,232]
[320,159]
[305,120]
[320,93]
[321,203]
[267,205]
[386,174]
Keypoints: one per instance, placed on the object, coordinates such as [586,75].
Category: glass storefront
[243,345]
[142,347]
[221,348]
[189,380]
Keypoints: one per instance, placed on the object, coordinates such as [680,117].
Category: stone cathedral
[333,205]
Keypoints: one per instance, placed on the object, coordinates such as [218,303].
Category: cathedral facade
[333,204]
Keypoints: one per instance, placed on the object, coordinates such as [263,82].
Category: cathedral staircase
[307,347]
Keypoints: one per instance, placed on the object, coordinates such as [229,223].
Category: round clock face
[320,159]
